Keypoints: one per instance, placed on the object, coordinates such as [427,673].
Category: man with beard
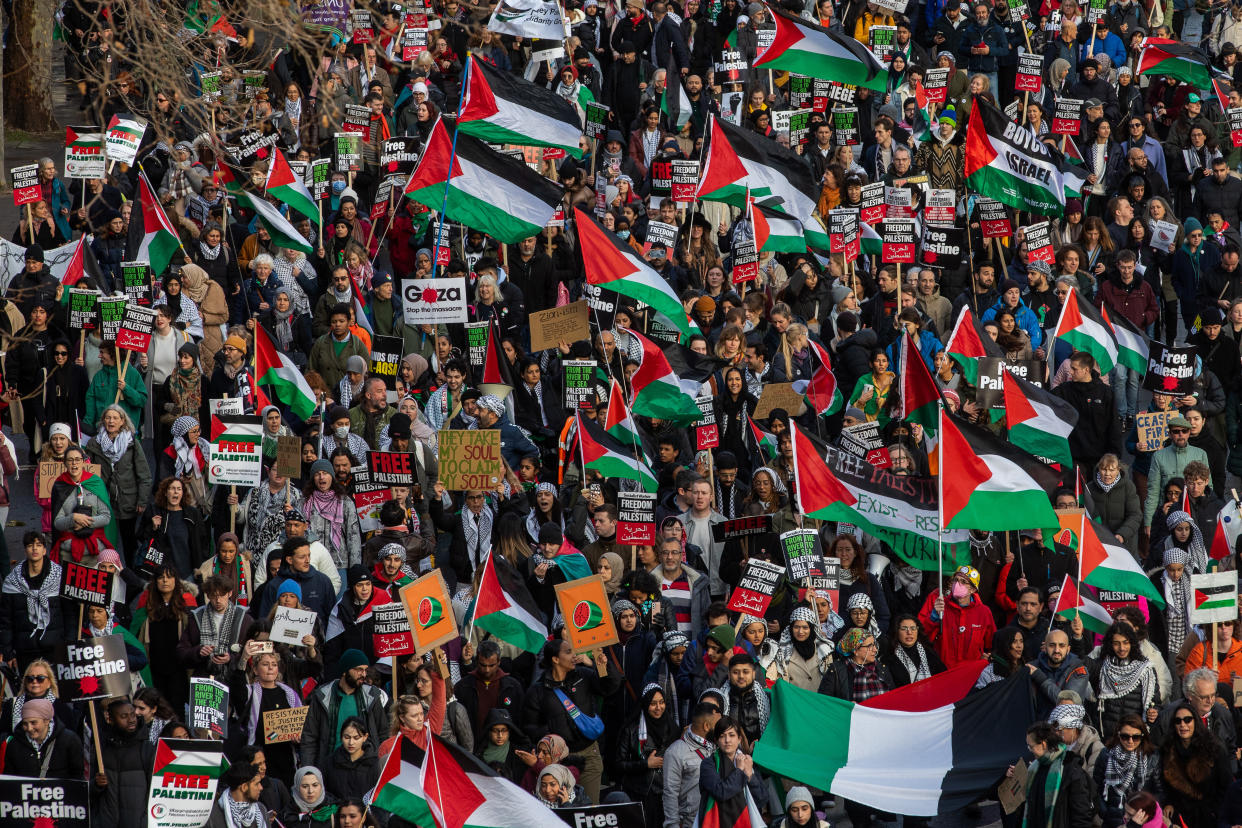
[331,704]
[488,687]
[238,805]
[119,788]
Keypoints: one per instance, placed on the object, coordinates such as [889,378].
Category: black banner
[94,668]
[63,803]
[741,528]
[1170,370]
[624,815]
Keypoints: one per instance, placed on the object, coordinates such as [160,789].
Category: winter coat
[1166,464]
[320,730]
[1024,316]
[1073,806]
[19,757]
[543,712]
[1136,302]
[853,357]
[330,364]
[682,762]
[128,480]
[838,682]
[102,393]
[967,630]
[19,635]
[1113,710]
[1193,782]
[127,761]
[1098,430]
[346,778]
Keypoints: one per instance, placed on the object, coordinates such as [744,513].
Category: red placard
[755,588]
[636,518]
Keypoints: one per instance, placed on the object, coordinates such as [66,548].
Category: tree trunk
[28,67]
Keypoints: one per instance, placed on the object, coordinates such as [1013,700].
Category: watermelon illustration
[587,615]
[429,612]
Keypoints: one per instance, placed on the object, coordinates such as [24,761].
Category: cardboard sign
[49,470]
[209,706]
[390,631]
[85,584]
[991,389]
[136,277]
[1012,789]
[579,384]
[994,219]
[755,587]
[283,725]
[743,527]
[363,28]
[779,395]
[1215,597]
[64,803]
[898,241]
[137,325]
[706,431]
[346,152]
[1152,428]
[429,608]
[636,518]
[1039,243]
[568,323]
[386,359]
[588,616]
[804,554]
[845,130]
[1170,370]
[1030,73]
[26,187]
[391,468]
[183,784]
[93,668]
[433,301]
[291,625]
[1067,116]
[469,459]
[83,309]
[596,120]
[289,456]
[685,180]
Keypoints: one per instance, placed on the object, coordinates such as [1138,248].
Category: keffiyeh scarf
[38,608]
[906,656]
[476,532]
[114,449]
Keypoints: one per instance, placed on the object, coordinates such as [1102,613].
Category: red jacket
[968,630]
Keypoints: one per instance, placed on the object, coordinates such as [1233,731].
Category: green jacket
[102,392]
[331,365]
[1165,465]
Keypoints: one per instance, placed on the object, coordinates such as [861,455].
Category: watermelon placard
[588,621]
[428,606]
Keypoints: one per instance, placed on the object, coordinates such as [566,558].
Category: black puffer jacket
[1114,709]
[346,778]
[128,759]
[62,752]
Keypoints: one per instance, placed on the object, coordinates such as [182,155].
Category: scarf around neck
[38,607]
[114,449]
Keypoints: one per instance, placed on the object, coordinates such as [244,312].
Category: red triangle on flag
[1018,408]
[961,470]
[817,487]
[448,787]
[1201,598]
[164,756]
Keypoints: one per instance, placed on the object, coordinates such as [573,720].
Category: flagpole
[940,522]
[461,98]
[694,205]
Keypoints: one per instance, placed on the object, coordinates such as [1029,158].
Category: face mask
[623,235]
[958,591]
[341,432]
[338,187]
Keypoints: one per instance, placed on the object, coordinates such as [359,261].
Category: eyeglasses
[37,679]
[907,628]
[1183,719]
[1136,125]
[871,646]
[60,353]
[1130,737]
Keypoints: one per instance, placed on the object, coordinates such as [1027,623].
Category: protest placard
[936,85]
[596,120]
[898,241]
[291,625]
[1170,370]
[1067,116]
[390,630]
[49,470]
[659,234]
[1152,428]
[568,323]
[235,455]
[943,247]
[391,468]
[745,256]
[429,608]
[137,325]
[83,309]
[804,554]
[588,615]
[755,587]
[1215,597]
[136,278]
[1030,72]
[871,207]
[26,187]
[625,815]
[183,783]
[843,232]
[469,459]
[685,180]
[881,40]
[85,584]
[283,725]
[346,152]
[579,384]
[209,84]
[413,43]
[386,361]
[27,802]
[1039,243]
[368,498]
[1235,125]
[941,207]
[289,456]
[994,219]
[845,130]
[319,178]
[706,430]
[94,668]
[1163,235]
[209,707]
[743,527]
[399,157]
[433,301]
[779,395]
[991,387]
[661,180]
[362,28]
[636,518]
[84,153]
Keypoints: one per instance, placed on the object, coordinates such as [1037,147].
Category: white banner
[538,19]
[434,301]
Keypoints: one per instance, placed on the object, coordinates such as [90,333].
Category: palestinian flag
[920,396]
[152,237]
[821,391]
[968,344]
[289,188]
[613,264]
[871,242]
[801,46]
[675,106]
[1176,60]
[1005,161]
[1074,603]
[399,789]
[776,231]
[618,422]
[487,191]
[503,108]
[1215,591]
[278,371]
[915,763]
[988,483]
[1222,87]
[462,791]
[83,265]
[1105,565]
[900,511]
[1073,168]
[1228,528]
[765,441]
[1082,327]
[656,391]
[1132,348]
[1039,421]
[189,757]
[283,233]
[936,691]
[362,313]
[735,812]
[924,121]
[504,607]
[741,163]
[601,452]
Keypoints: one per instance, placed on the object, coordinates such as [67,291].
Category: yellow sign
[470,459]
[283,725]
[429,607]
[588,616]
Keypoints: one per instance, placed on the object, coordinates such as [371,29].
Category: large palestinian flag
[83,265]
[603,453]
[776,231]
[969,343]
[613,264]
[284,234]
[290,189]
[1005,161]
[1072,602]
[988,483]
[801,46]
[1081,325]
[487,191]
[1132,347]
[503,108]
[1039,422]
[462,791]
[1106,565]
[1176,59]
[914,763]
[920,396]
[399,789]
[740,162]
[503,607]
[275,369]
[656,391]
[152,237]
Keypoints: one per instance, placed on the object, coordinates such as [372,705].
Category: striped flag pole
[448,182]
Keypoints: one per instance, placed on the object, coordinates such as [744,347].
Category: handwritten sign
[283,725]
[779,395]
[1152,428]
[49,470]
[469,459]
[291,625]
[568,323]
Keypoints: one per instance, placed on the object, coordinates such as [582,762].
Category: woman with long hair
[854,577]
[1098,246]
[1015,342]
[873,388]
[1124,680]
[175,528]
[456,727]
[266,689]
[768,495]
[735,405]
[155,710]
[729,773]
[1194,769]
[415,719]
[229,562]
[353,769]
[163,610]
[38,682]
[1128,765]
[641,746]
[1008,646]
[1058,788]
